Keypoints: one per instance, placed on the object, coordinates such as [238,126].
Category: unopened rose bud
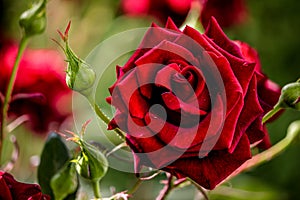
[91,164]
[290,96]
[80,76]
[33,20]
[65,182]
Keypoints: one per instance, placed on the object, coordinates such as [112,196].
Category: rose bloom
[40,91]
[192,104]
[228,13]
[11,189]
[161,9]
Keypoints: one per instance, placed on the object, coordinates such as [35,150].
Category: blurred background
[272,27]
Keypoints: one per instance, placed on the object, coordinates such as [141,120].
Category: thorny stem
[200,189]
[9,90]
[166,189]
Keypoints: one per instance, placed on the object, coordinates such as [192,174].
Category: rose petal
[214,31]
[4,189]
[213,169]
[250,112]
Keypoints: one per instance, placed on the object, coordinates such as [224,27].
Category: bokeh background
[272,28]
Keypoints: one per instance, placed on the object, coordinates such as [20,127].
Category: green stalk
[9,90]
[271,113]
[96,189]
[104,117]
[293,133]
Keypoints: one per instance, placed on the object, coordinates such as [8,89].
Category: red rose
[162,9]
[40,90]
[227,13]
[11,189]
[191,104]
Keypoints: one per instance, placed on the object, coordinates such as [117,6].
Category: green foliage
[54,156]
[65,182]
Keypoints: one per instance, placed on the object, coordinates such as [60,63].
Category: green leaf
[65,182]
[54,156]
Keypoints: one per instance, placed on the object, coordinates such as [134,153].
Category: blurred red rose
[40,91]
[229,12]
[10,189]
[162,9]
[192,104]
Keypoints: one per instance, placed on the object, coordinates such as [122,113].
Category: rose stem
[104,117]
[292,133]
[96,189]
[22,46]
[135,187]
[201,190]
[271,113]
[166,189]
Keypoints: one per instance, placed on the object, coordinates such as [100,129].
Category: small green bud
[33,20]
[80,76]
[290,96]
[91,164]
[65,182]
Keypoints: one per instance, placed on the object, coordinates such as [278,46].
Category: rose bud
[191,103]
[33,21]
[11,189]
[91,164]
[80,76]
[65,182]
[290,96]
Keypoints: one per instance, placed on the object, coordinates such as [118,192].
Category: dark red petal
[214,31]
[234,101]
[255,131]
[171,25]
[174,103]
[190,138]
[166,51]
[152,38]
[268,93]
[4,190]
[195,36]
[250,112]
[243,70]
[213,169]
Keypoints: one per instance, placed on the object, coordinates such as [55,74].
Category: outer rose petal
[19,190]
[214,168]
